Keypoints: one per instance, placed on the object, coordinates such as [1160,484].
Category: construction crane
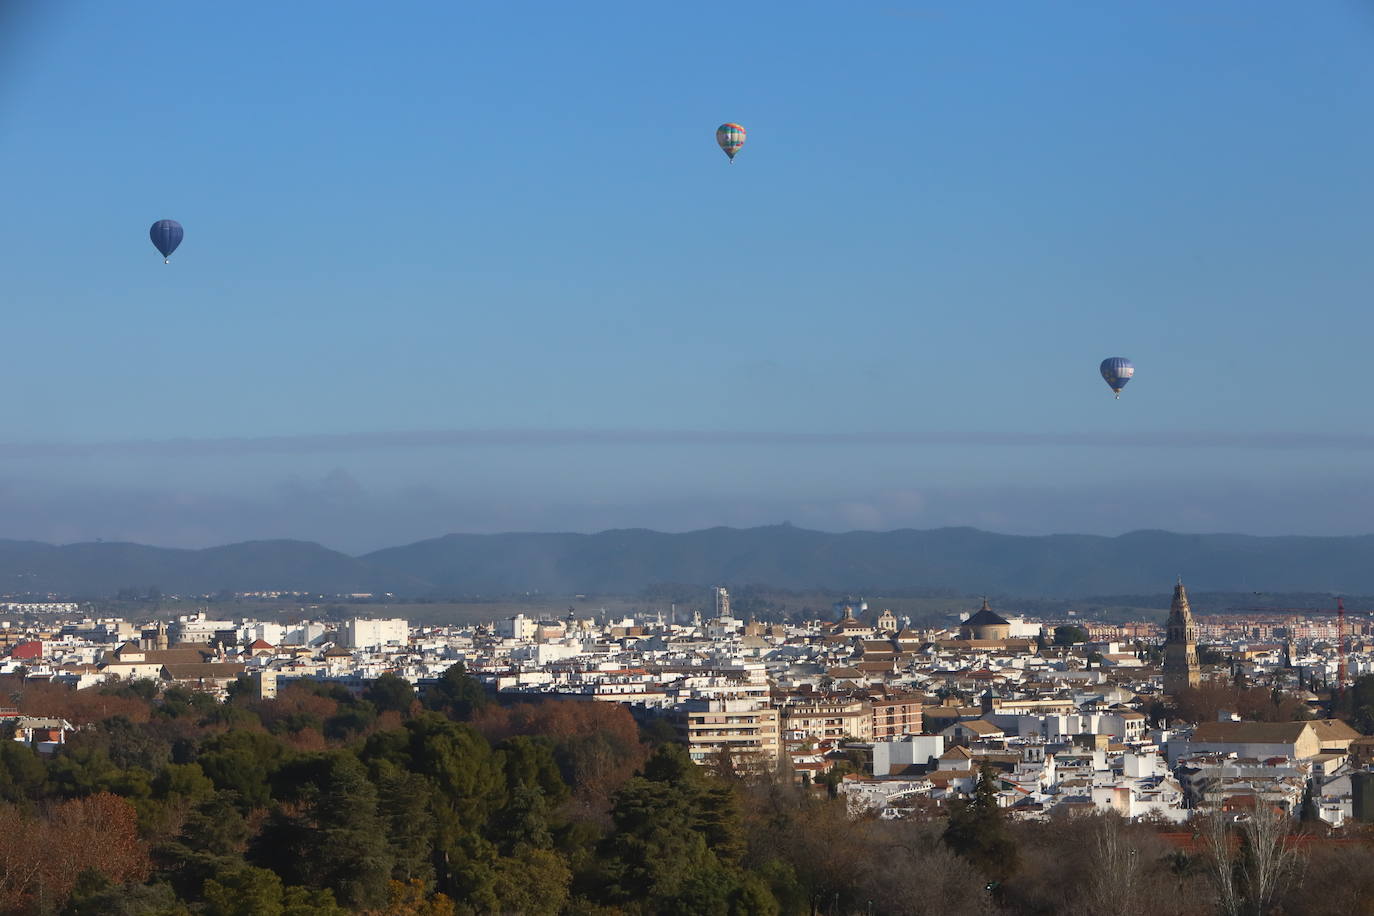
[1341,633]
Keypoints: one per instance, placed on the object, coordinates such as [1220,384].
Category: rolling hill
[782,556]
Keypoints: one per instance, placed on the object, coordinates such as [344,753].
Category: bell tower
[1180,644]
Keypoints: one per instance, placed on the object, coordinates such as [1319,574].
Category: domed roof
[986,618]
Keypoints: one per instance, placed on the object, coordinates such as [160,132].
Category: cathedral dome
[985,625]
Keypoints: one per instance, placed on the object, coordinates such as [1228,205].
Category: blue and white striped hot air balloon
[1116,372]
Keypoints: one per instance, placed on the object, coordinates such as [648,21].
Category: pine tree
[977,830]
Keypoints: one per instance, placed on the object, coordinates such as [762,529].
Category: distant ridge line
[625,561]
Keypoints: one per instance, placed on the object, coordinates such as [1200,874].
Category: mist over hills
[782,556]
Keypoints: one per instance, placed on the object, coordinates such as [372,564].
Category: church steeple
[1180,644]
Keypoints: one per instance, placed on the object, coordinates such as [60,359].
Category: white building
[44,735]
[365,634]
[723,627]
[197,628]
[307,634]
[895,755]
[518,627]
[273,633]
[1021,628]
[45,607]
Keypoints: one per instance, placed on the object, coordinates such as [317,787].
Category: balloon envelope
[731,138]
[166,235]
[1117,371]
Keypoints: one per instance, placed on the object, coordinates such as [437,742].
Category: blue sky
[473,267]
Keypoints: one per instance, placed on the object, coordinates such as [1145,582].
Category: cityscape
[1155,724]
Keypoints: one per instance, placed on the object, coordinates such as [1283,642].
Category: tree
[242,890]
[456,693]
[1357,704]
[466,786]
[404,802]
[390,692]
[242,762]
[916,875]
[1309,814]
[596,745]
[22,773]
[1268,860]
[524,823]
[533,882]
[42,858]
[530,761]
[408,898]
[1210,655]
[467,775]
[1249,871]
[326,832]
[212,837]
[94,895]
[677,840]
[976,830]
[1069,635]
[1117,871]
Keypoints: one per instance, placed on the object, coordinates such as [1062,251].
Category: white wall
[1024,629]
[517,627]
[916,749]
[360,633]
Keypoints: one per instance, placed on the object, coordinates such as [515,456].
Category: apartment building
[748,729]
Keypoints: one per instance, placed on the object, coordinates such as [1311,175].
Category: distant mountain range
[781,556]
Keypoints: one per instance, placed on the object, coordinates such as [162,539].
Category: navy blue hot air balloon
[166,235]
[1117,371]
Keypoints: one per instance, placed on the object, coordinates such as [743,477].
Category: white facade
[918,749]
[197,628]
[517,627]
[267,632]
[1021,628]
[1120,726]
[546,653]
[361,634]
[307,634]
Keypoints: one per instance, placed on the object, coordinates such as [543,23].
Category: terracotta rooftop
[199,671]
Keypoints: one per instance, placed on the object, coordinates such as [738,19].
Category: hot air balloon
[731,138]
[166,235]
[1117,371]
